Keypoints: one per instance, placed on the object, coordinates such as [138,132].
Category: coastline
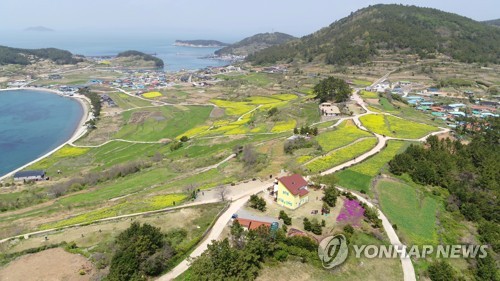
[79,131]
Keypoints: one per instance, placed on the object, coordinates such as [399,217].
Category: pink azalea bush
[352,213]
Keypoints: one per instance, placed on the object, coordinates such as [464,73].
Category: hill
[255,43]
[395,28]
[39,29]
[28,56]
[492,22]
[200,43]
[157,61]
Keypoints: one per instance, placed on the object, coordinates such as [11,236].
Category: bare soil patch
[53,264]
[217,112]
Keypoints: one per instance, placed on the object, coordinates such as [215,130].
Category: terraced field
[341,155]
[342,135]
[395,127]
[153,124]
[358,177]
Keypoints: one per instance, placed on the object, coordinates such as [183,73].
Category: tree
[332,89]
[272,111]
[441,271]
[184,138]
[237,234]
[307,224]
[141,250]
[286,219]
[222,192]
[316,227]
[257,203]
[249,155]
[330,195]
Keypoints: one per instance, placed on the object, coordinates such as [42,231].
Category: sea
[176,58]
[33,123]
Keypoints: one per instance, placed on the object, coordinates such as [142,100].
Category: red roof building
[252,224]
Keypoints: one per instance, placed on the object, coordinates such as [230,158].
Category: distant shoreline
[78,132]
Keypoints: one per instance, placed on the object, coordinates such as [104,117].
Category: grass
[342,135]
[126,102]
[66,151]
[341,155]
[395,127]
[359,177]
[149,204]
[413,213]
[120,187]
[368,95]
[352,269]
[151,95]
[239,108]
[120,152]
[284,126]
[153,124]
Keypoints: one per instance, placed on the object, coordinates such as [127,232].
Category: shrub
[286,219]
[257,203]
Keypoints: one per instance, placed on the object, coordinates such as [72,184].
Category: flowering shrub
[352,213]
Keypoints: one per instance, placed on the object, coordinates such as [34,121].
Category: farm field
[128,207]
[341,155]
[342,135]
[154,124]
[125,101]
[412,212]
[359,177]
[151,95]
[395,127]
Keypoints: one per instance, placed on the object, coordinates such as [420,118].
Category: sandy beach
[80,130]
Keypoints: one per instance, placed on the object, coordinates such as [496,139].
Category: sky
[205,19]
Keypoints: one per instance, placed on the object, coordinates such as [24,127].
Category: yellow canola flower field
[151,95]
[284,126]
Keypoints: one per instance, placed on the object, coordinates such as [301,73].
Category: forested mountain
[158,62]
[493,22]
[406,29]
[27,56]
[255,43]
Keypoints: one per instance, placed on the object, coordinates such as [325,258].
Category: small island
[200,43]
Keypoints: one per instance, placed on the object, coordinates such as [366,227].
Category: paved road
[408,270]
[238,200]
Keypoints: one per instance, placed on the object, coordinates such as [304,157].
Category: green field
[125,101]
[342,135]
[358,177]
[153,124]
[413,213]
[341,155]
[395,127]
[127,207]
[368,95]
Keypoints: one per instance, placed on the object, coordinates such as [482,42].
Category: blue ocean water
[109,44]
[33,123]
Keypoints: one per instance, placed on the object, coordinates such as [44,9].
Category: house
[251,224]
[29,175]
[292,191]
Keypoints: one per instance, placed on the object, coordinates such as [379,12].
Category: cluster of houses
[107,99]
[140,80]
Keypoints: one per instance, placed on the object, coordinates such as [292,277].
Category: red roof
[252,224]
[296,184]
